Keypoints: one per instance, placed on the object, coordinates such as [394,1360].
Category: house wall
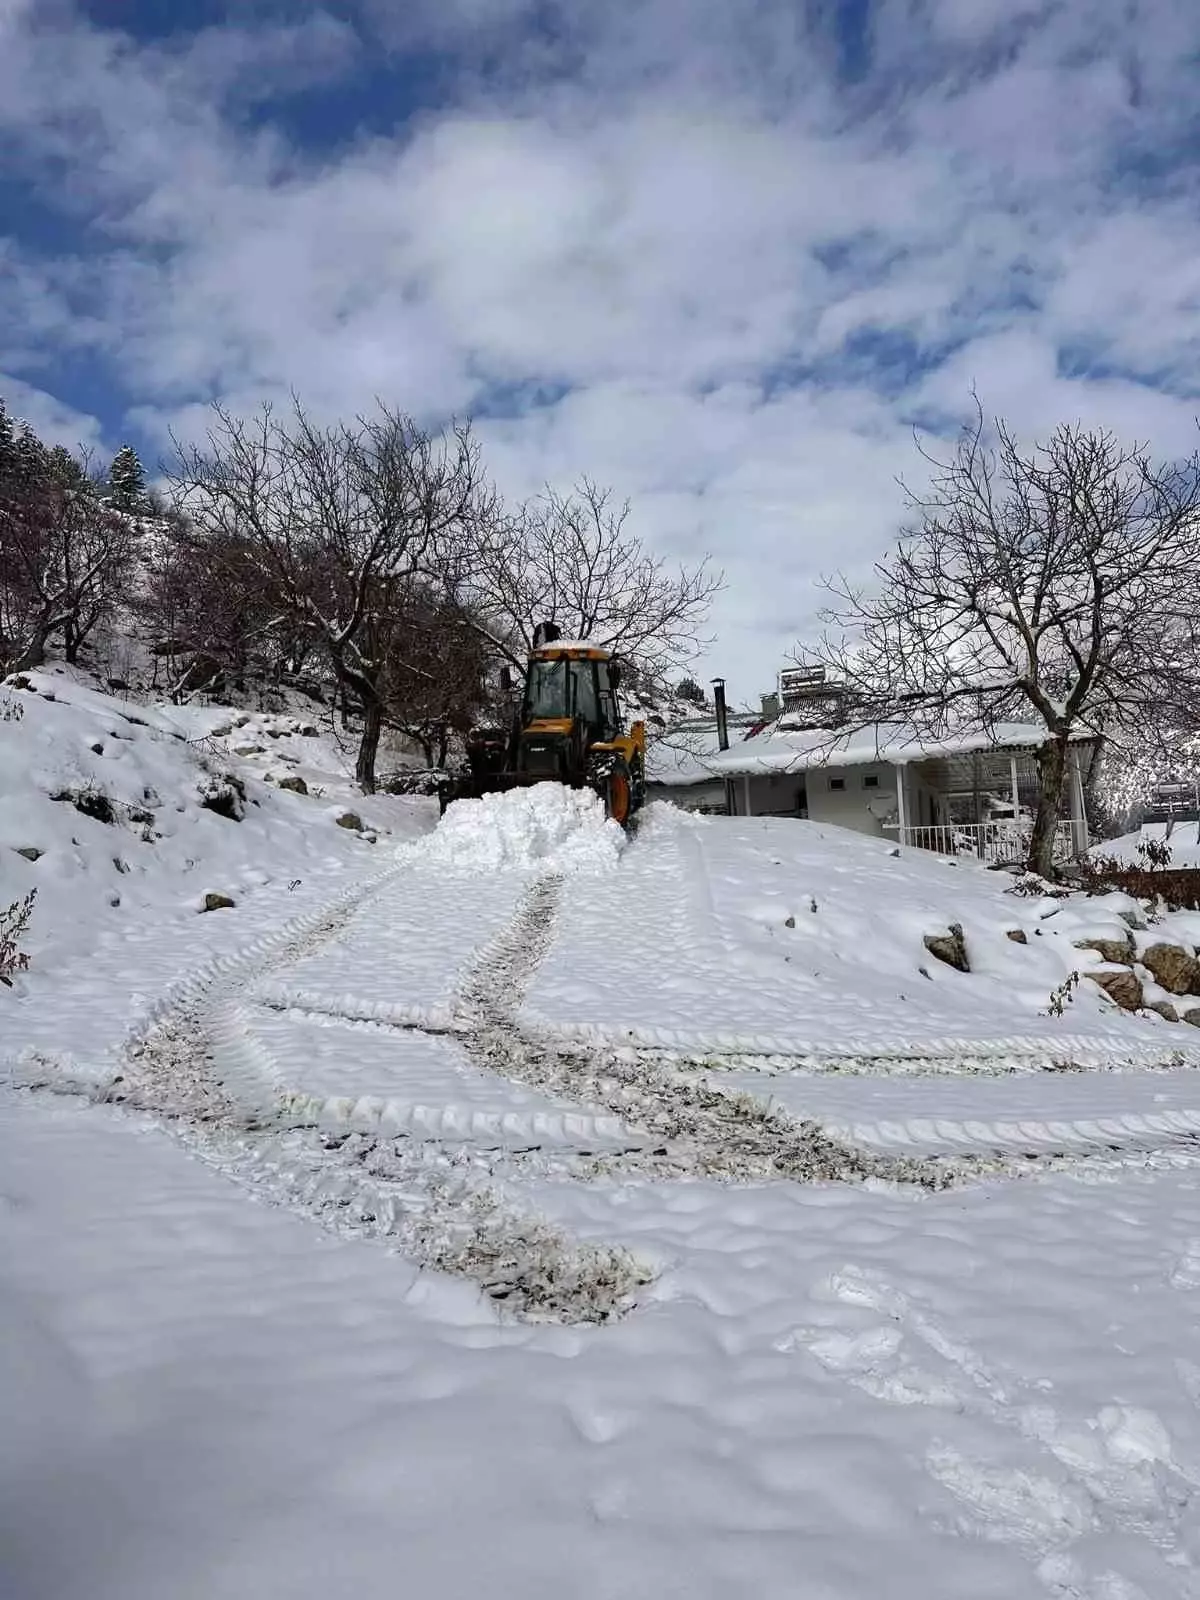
[858,804]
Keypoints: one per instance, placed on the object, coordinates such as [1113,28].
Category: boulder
[248,749]
[1017,935]
[294,782]
[1119,951]
[1175,968]
[30,852]
[1192,1016]
[218,902]
[949,947]
[1124,987]
[351,820]
[1164,1009]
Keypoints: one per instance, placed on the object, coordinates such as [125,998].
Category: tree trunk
[368,747]
[34,652]
[1052,783]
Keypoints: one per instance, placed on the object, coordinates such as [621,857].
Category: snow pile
[546,826]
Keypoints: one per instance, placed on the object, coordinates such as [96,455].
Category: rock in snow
[1120,985]
[949,947]
[1177,970]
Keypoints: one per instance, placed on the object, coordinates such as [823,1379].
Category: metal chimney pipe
[722,713]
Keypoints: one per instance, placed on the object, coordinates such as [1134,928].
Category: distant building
[972,794]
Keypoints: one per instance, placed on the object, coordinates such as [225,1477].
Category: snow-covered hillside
[741,1208]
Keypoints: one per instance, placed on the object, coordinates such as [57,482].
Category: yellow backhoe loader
[568,729]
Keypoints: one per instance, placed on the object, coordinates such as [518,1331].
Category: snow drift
[547,827]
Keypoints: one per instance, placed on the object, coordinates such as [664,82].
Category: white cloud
[50,419]
[668,216]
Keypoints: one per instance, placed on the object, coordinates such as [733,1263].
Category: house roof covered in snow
[684,754]
[780,748]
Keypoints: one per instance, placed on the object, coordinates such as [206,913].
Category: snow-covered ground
[513,1208]
[1183,841]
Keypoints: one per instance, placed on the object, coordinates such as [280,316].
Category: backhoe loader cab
[567,729]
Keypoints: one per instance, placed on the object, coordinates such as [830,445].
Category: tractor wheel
[618,794]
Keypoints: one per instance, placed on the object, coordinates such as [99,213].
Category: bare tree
[436,685]
[340,521]
[1060,582]
[66,560]
[569,559]
[210,616]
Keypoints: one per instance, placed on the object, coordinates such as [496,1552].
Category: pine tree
[29,458]
[65,469]
[8,442]
[126,480]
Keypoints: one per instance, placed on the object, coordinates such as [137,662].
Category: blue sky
[719,254]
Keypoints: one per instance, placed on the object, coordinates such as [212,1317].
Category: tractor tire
[617,794]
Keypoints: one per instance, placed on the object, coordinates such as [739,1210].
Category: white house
[974,794]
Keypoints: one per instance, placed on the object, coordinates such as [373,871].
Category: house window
[871,781]
[837,783]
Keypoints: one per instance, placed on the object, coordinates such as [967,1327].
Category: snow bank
[546,826]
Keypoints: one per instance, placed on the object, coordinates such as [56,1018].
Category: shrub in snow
[1063,996]
[1176,888]
[13,924]
[224,793]
[89,799]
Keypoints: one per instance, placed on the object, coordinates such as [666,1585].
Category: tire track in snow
[197,1064]
[692,1130]
[1053,1115]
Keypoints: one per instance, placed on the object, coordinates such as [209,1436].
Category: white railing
[992,842]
